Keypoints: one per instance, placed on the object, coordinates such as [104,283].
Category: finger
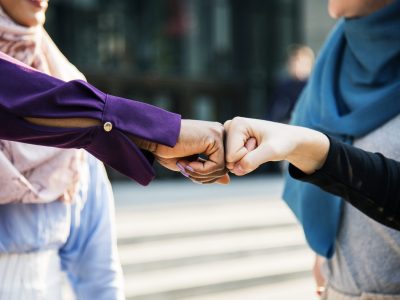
[251,161]
[191,172]
[169,163]
[219,177]
[251,144]
[206,177]
[224,179]
[221,180]
[227,124]
[181,168]
[230,166]
[236,138]
[187,167]
[215,162]
[204,180]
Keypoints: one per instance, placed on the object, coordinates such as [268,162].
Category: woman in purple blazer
[125,134]
[37,227]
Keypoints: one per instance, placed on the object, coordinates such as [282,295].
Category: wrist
[144,144]
[310,151]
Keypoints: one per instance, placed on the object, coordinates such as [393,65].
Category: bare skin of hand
[196,137]
[318,276]
[252,142]
[65,123]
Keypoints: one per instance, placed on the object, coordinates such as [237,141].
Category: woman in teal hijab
[354,90]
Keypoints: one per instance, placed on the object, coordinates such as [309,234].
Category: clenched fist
[252,142]
[196,137]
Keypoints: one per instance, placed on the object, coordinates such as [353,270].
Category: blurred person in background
[289,87]
[353,95]
[57,207]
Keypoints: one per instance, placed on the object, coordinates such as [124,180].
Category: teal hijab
[354,89]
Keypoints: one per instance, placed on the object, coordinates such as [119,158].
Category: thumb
[237,143]
[251,144]
[251,161]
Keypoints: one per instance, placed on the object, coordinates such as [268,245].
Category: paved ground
[179,240]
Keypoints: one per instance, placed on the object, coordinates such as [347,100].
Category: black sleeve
[369,181]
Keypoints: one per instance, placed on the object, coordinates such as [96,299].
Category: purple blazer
[25,92]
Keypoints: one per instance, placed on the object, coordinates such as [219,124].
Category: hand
[251,142]
[318,276]
[196,137]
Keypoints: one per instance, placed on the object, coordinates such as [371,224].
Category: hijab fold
[30,173]
[354,89]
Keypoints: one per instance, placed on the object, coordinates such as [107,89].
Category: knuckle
[235,119]
[246,164]
[209,140]
[229,157]
[230,165]
[238,122]
[202,172]
[219,129]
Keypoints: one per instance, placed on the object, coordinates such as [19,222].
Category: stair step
[136,225]
[303,287]
[208,248]
[219,276]
[183,241]
[197,260]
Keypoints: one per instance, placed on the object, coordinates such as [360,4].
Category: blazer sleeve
[25,92]
[369,181]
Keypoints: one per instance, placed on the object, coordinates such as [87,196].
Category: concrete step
[302,288]
[183,241]
[138,224]
[199,249]
[215,277]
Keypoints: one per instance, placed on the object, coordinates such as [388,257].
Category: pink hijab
[29,173]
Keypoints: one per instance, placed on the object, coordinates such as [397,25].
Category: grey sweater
[367,256]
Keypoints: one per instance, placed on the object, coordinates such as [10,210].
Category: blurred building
[206,59]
